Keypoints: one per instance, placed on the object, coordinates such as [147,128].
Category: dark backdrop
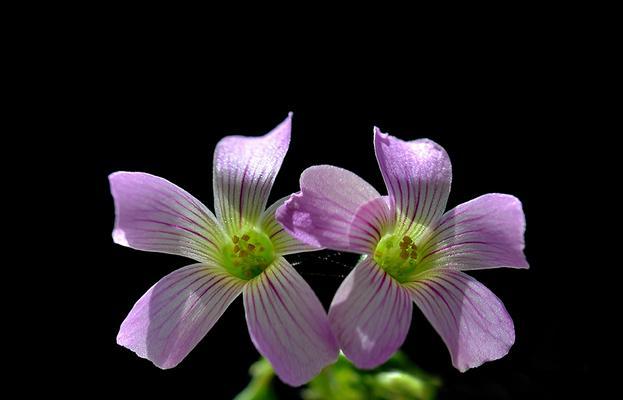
[159,102]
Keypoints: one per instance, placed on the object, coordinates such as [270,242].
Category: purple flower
[238,251]
[413,251]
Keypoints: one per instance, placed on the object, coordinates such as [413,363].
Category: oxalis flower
[238,250]
[412,252]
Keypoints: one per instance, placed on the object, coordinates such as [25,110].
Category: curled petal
[284,242]
[470,319]
[322,212]
[418,176]
[177,312]
[288,325]
[244,171]
[487,232]
[370,315]
[153,214]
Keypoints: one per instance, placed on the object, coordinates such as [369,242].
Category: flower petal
[153,214]
[322,212]
[470,319]
[176,313]
[244,171]
[284,242]
[371,221]
[418,176]
[370,315]
[288,325]
[487,232]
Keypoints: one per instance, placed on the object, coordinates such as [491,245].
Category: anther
[235,239]
[407,239]
[236,248]
[245,237]
[251,247]
[243,253]
[404,255]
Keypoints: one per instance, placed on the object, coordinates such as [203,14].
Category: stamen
[248,253]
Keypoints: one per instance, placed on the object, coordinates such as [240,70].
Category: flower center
[397,256]
[248,253]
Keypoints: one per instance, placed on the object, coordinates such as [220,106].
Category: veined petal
[487,232]
[370,315]
[470,319]
[288,325]
[153,214]
[322,212]
[418,176]
[370,223]
[284,242]
[244,171]
[176,313]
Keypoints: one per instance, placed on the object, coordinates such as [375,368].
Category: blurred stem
[397,379]
[260,387]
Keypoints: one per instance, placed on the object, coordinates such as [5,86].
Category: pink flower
[238,250]
[412,252]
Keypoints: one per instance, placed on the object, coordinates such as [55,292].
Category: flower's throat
[397,256]
[248,253]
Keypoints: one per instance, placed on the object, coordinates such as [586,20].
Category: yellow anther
[248,253]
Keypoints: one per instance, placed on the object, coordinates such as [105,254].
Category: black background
[156,97]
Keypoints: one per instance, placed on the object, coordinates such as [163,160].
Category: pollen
[397,255]
[248,253]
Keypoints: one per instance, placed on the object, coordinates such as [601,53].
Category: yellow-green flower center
[398,256]
[248,253]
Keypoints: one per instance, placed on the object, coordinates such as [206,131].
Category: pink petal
[487,232]
[371,221]
[244,171]
[471,320]
[322,212]
[284,242]
[370,315]
[288,325]
[417,175]
[155,215]
[176,313]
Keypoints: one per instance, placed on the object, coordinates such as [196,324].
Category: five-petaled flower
[238,251]
[413,251]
